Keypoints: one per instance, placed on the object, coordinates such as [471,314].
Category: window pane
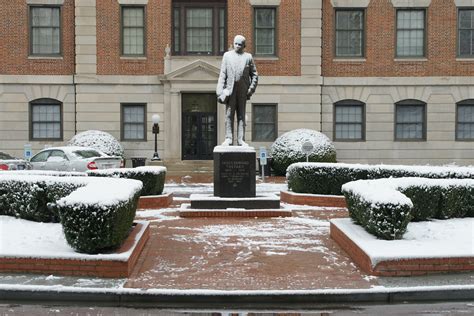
[133,17]
[265,31]
[409,121]
[133,122]
[349,33]
[466,32]
[349,120]
[264,123]
[410,33]
[465,122]
[45,30]
[222,47]
[133,33]
[199,30]
[265,18]
[46,120]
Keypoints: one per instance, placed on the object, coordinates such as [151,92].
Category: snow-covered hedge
[328,178]
[287,149]
[152,177]
[96,214]
[47,173]
[98,140]
[384,207]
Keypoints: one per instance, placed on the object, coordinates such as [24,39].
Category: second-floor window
[199,28]
[133,31]
[349,33]
[45,30]
[410,33]
[466,33]
[265,31]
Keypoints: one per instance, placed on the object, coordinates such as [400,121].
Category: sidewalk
[240,255]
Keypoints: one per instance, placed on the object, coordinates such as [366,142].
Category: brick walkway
[293,253]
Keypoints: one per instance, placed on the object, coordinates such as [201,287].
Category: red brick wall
[380,44]
[14,42]
[158,28]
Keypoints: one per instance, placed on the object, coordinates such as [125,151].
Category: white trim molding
[133,2]
[411,3]
[273,3]
[350,3]
[464,3]
[49,2]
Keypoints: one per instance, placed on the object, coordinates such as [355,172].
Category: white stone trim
[464,3]
[273,3]
[398,81]
[48,2]
[350,3]
[133,2]
[411,3]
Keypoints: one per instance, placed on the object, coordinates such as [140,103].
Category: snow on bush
[99,140]
[328,178]
[287,149]
[384,207]
[152,177]
[96,214]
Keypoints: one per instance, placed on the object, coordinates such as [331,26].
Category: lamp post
[156,130]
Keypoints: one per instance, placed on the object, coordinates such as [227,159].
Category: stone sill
[410,60]
[140,58]
[46,57]
[349,60]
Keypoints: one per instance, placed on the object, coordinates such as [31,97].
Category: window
[133,31]
[133,122]
[264,121]
[46,120]
[349,120]
[465,120]
[410,33]
[199,28]
[349,33]
[410,120]
[265,35]
[466,33]
[45,30]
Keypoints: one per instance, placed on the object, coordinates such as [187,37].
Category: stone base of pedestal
[208,201]
[234,171]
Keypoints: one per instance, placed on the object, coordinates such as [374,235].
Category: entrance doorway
[199,126]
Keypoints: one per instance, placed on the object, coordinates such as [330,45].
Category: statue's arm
[253,77]
[222,77]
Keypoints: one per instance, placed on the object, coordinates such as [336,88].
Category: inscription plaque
[234,173]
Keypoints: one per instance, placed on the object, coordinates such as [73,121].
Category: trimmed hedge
[96,214]
[153,178]
[328,178]
[384,207]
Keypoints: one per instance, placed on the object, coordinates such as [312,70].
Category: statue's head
[239,43]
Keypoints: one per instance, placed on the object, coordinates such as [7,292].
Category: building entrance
[199,126]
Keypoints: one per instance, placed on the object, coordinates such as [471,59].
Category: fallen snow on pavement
[430,239]
[159,215]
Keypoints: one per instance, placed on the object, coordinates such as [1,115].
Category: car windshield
[84,154]
[6,156]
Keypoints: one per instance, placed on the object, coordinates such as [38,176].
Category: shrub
[287,149]
[384,207]
[153,178]
[328,178]
[98,140]
[96,214]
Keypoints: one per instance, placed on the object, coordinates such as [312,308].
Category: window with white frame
[349,33]
[46,120]
[133,122]
[349,120]
[199,27]
[265,31]
[410,33]
[466,32]
[264,119]
[410,120]
[465,120]
[45,30]
[133,31]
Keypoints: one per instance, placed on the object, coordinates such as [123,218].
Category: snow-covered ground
[428,239]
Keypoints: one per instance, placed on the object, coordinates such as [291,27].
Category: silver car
[71,158]
[8,162]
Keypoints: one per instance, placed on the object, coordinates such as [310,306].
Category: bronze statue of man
[237,82]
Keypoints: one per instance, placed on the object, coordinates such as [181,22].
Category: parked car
[8,162]
[71,158]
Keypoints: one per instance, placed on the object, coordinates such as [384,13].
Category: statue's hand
[249,93]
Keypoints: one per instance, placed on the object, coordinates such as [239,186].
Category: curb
[231,299]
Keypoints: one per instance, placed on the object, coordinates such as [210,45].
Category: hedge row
[96,214]
[384,207]
[153,178]
[328,178]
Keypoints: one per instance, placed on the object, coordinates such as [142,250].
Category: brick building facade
[383,78]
